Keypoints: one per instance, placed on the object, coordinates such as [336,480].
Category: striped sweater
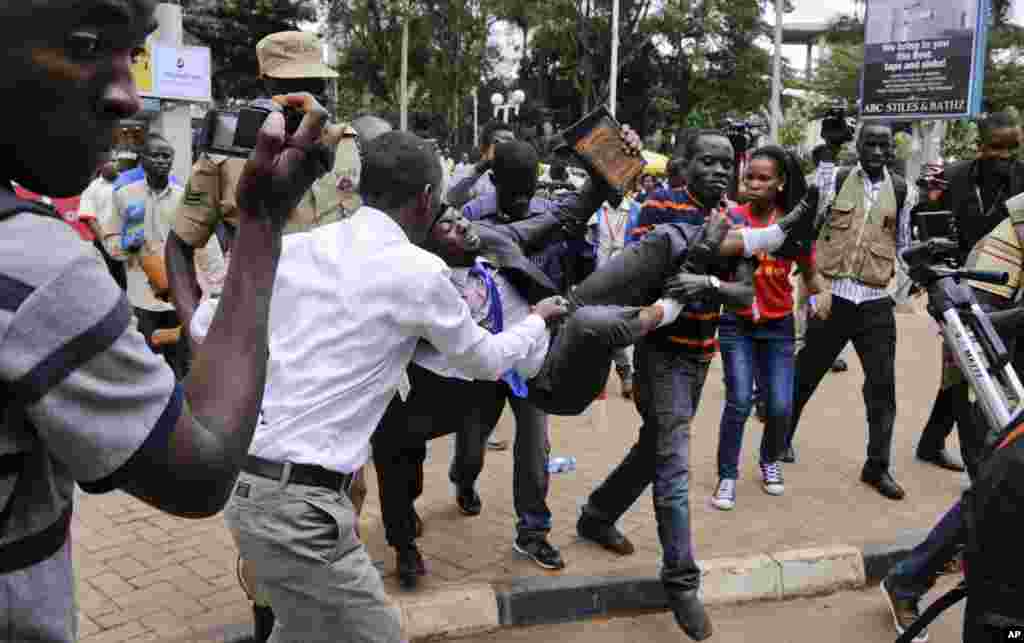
[82,391]
[695,330]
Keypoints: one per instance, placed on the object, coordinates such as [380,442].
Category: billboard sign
[923,59]
[173,73]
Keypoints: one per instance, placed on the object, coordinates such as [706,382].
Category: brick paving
[145,576]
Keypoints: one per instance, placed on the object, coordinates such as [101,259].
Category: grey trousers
[302,544]
[38,603]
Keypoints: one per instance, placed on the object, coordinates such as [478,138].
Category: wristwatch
[714,282]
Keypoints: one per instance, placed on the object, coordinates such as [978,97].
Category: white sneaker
[725,495]
[771,479]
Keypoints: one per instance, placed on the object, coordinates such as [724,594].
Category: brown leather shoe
[884,483]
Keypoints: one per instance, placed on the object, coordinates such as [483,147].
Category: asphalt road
[847,617]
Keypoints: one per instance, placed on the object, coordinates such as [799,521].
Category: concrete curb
[456,611]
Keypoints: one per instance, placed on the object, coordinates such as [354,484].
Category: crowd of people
[251,339]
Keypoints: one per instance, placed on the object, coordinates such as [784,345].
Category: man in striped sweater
[671,363]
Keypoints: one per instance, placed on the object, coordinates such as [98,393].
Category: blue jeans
[913,576]
[761,352]
[668,388]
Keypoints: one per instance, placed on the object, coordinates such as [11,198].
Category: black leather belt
[307,474]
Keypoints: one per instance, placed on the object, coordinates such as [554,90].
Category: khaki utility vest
[860,245]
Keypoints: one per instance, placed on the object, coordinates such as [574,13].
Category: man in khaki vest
[290,61]
[857,254]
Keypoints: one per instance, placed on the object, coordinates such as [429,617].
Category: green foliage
[447,56]
[961,141]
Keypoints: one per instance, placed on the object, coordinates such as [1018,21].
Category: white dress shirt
[98,202]
[351,301]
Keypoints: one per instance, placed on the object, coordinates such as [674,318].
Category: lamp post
[515,99]
[776,120]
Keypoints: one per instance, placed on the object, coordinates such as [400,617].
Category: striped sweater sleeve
[72,358]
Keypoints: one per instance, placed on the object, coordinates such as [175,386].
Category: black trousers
[574,373]
[871,326]
[436,406]
[177,355]
[116,268]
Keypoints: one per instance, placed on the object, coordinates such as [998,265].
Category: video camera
[740,133]
[836,128]
[234,132]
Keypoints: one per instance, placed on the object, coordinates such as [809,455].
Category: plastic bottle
[561,464]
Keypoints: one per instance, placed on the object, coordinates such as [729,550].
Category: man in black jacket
[976,194]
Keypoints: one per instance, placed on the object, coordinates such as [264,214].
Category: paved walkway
[144,576]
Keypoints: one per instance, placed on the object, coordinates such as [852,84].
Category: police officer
[290,61]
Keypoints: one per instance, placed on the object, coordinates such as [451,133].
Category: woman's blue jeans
[761,351]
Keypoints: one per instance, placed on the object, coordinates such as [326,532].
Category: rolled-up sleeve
[447,324]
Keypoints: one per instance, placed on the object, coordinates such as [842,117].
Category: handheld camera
[234,132]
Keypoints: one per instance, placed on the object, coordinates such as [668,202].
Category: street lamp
[515,99]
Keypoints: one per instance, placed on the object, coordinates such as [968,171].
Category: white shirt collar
[382,220]
[864,174]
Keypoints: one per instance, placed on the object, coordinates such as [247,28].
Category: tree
[447,55]
[676,57]
[231,29]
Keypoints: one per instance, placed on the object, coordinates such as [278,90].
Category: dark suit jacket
[509,246]
[961,197]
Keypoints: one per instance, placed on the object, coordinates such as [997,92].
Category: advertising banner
[173,73]
[923,59]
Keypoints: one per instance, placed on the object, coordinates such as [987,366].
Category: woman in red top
[757,343]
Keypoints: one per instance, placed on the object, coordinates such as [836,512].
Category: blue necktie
[495,322]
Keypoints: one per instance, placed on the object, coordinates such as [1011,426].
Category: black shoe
[605,535]
[839,366]
[690,615]
[410,567]
[469,502]
[788,455]
[940,458]
[263,623]
[883,482]
[540,551]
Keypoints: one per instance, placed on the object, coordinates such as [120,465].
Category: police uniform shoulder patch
[192,197]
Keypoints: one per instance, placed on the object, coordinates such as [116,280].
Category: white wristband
[670,310]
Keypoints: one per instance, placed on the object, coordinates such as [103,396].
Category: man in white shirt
[350,303]
[96,209]
[141,218]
